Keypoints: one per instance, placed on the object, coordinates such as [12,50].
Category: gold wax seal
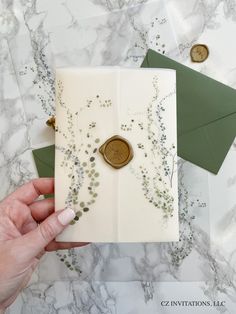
[51,122]
[199,53]
[116,151]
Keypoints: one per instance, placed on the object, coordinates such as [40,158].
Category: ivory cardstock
[135,203]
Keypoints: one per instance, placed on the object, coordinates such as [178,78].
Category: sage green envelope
[44,159]
[206,114]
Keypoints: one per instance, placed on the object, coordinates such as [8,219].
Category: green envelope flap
[206,119]
[44,160]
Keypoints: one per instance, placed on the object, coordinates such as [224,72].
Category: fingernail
[66,216]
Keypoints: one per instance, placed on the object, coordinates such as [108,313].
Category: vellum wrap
[139,202]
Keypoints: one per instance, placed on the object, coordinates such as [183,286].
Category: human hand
[28,228]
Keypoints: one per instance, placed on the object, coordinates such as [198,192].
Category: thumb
[36,240]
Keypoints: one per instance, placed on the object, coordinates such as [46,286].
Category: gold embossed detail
[199,53]
[117,151]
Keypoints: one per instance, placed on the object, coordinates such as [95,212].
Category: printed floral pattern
[156,179]
[80,173]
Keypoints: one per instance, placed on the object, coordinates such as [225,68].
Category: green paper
[206,114]
[44,159]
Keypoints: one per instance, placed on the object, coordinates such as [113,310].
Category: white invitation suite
[116,153]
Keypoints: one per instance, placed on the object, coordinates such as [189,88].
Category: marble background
[38,35]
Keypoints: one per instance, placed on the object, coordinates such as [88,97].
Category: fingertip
[66,216]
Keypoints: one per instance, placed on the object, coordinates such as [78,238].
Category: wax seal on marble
[51,122]
[117,151]
[199,53]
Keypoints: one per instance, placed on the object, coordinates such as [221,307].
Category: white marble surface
[36,36]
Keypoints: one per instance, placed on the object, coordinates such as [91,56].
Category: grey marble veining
[112,5]
[36,36]
[15,165]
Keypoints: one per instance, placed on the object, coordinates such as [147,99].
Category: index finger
[30,191]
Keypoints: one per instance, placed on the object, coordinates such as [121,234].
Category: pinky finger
[54,246]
